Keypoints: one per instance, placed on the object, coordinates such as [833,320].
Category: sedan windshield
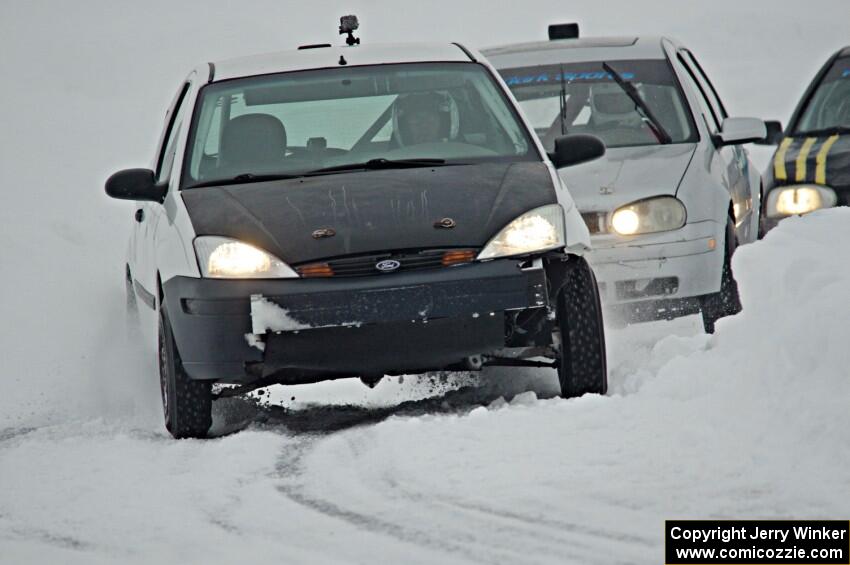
[332,120]
[586,98]
[828,109]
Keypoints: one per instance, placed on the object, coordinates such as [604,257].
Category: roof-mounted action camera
[348,24]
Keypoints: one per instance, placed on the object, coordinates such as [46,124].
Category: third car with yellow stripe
[810,169]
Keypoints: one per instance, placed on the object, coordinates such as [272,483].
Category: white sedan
[340,212]
[675,193]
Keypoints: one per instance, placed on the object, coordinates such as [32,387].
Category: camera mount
[348,24]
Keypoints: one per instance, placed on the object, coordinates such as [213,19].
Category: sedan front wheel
[186,403]
[582,366]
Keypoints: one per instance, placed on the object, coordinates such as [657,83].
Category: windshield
[296,123]
[829,106]
[585,98]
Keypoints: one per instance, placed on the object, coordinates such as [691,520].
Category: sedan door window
[166,157]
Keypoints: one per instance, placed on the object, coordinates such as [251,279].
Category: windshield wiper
[651,120]
[372,164]
[562,99]
[244,178]
[835,130]
[376,164]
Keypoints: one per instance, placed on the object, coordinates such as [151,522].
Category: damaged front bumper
[310,329]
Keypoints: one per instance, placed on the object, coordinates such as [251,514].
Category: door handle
[140,215]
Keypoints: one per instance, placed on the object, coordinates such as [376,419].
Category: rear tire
[186,403]
[726,301]
[582,365]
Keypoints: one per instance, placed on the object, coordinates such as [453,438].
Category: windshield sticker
[538,78]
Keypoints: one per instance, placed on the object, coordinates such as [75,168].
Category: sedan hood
[626,174]
[826,158]
[372,211]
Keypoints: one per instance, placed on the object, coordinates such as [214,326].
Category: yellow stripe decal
[802,156]
[820,171]
[779,159]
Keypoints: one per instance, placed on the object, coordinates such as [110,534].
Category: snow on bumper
[680,264]
[312,323]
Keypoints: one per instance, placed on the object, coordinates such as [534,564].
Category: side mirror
[774,133]
[135,184]
[736,131]
[576,148]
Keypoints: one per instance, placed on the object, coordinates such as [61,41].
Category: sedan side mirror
[135,184]
[736,131]
[774,133]
[576,148]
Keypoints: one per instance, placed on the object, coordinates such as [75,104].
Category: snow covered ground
[750,422]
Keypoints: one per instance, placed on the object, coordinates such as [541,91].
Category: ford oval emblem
[387,265]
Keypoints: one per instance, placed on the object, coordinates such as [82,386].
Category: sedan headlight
[799,199]
[225,258]
[537,230]
[662,213]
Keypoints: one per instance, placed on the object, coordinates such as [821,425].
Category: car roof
[575,51]
[325,57]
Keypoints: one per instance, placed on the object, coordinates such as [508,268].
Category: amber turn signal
[315,270]
[457,257]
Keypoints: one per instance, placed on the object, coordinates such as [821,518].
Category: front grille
[643,288]
[363,265]
[597,222]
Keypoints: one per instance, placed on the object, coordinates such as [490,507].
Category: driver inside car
[614,117]
[424,117]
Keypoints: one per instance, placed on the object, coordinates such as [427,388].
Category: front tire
[186,403]
[582,365]
[726,301]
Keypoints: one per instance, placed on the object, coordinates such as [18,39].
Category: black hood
[372,211]
[832,170]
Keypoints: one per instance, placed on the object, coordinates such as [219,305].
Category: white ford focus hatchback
[676,191]
[355,211]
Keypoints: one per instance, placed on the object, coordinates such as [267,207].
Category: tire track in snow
[572,527]
[558,534]
[50,538]
[290,471]
[471,531]
[9,434]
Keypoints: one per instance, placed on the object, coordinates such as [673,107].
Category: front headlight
[662,213]
[799,199]
[537,230]
[225,258]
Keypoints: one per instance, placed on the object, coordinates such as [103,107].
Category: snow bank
[751,422]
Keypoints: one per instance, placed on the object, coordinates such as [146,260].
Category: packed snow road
[750,422]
